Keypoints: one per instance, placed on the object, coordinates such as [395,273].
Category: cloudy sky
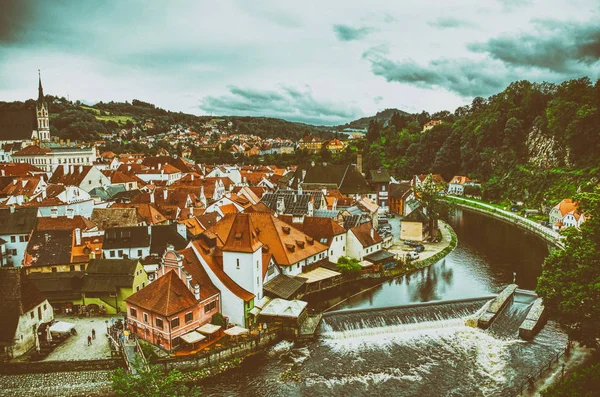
[320,62]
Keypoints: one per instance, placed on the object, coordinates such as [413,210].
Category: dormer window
[237,263]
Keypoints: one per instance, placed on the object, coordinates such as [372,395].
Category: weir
[350,323]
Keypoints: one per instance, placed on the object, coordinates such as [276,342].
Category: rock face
[544,151]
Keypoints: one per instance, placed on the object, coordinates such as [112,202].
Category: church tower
[41,108]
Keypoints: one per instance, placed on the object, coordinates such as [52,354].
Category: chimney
[372,233]
[68,142]
[149,230]
[359,162]
[12,209]
[3,172]
[159,166]
[189,281]
[192,177]
[299,189]
[72,169]
[152,197]
[165,194]
[197,291]
[280,205]
[303,175]
[77,236]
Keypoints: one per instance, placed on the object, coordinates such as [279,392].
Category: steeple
[40,89]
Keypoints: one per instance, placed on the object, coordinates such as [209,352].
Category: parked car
[411,243]
[419,248]
[382,221]
[390,215]
[412,255]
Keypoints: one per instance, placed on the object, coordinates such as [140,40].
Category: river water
[369,348]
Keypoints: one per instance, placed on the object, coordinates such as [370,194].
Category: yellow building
[310,143]
[415,226]
[108,282]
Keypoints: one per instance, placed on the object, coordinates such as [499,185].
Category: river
[427,350]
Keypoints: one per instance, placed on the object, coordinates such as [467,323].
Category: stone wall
[41,367]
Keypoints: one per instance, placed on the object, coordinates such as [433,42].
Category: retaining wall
[41,367]
[496,306]
[534,321]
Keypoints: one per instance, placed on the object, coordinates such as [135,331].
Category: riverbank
[448,243]
[551,236]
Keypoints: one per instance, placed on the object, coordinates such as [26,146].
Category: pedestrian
[93,333]
[89,340]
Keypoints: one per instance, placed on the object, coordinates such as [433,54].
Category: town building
[362,241]
[23,310]
[16,226]
[565,214]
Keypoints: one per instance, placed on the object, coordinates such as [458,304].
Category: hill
[532,142]
[76,121]
[382,117]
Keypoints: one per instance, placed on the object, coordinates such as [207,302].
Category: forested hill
[77,121]
[531,142]
[382,117]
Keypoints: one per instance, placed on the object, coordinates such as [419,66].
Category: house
[84,177]
[380,182]
[362,241]
[324,230]
[400,193]
[170,310]
[21,189]
[335,146]
[61,250]
[436,179]
[129,242]
[415,226]
[296,203]
[565,214]
[48,156]
[23,309]
[457,184]
[430,124]
[108,282]
[61,200]
[345,178]
[62,289]
[16,226]
[310,143]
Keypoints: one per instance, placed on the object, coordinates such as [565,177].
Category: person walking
[89,340]
[93,333]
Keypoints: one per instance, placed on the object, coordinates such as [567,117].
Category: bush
[218,319]
[348,265]
[583,382]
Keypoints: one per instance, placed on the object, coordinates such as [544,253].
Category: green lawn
[108,117]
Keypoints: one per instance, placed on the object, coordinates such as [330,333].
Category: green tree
[429,194]
[151,382]
[570,280]
[348,266]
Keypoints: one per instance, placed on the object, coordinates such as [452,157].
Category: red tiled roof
[363,234]
[64,223]
[166,296]
[192,265]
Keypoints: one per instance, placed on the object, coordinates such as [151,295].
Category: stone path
[76,346]
[68,384]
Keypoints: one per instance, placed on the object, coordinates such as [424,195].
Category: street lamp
[106,321]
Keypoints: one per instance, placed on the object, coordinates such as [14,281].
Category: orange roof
[228,209]
[287,244]
[166,296]
[566,206]
[214,259]
[32,151]
[64,223]
[242,235]
[89,245]
[192,265]
[17,169]
[459,180]
[366,235]
[192,225]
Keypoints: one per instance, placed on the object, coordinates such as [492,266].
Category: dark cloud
[286,102]
[14,17]
[465,77]
[556,46]
[450,22]
[349,33]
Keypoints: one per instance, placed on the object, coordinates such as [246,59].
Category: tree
[348,266]
[151,382]
[428,193]
[570,280]
[218,319]
[373,131]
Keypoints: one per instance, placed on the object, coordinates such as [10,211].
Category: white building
[49,156]
[16,225]
[363,240]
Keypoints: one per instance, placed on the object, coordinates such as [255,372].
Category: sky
[319,62]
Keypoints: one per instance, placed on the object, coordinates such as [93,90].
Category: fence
[532,377]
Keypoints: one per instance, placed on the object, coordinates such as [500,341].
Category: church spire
[40,89]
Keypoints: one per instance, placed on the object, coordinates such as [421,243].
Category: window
[39,313]
[256,265]
[331,252]
[146,318]
[210,306]
[175,322]
[237,263]
[120,253]
[139,253]
[159,323]
[44,307]
[54,270]
[257,281]
[133,312]
[137,288]
[112,254]
[72,268]
[176,341]
[32,315]
[13,239]
[189,317]
[383,188]
[23,239]
[80,268]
